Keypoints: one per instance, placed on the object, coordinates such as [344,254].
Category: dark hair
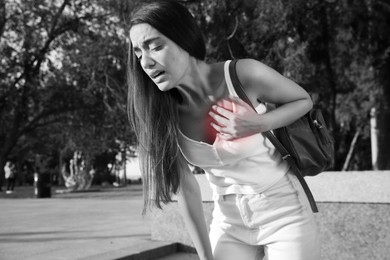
[152,113]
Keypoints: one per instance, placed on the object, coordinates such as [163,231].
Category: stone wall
[354,217]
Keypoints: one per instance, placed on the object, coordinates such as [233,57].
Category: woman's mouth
[157,74]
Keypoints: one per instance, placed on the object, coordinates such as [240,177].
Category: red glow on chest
[209,132]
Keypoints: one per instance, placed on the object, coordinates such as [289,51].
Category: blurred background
[63,78]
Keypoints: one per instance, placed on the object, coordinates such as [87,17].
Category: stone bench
[354,218]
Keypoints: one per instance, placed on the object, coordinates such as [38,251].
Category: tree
[380,49]
[342,47]
[62,76]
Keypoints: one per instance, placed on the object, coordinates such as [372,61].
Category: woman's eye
[157,48]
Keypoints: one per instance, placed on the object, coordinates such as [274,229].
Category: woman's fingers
[223,111]
[217,127]
[219,119]
[221,132]
[232,118]
[225,136]
[224,119]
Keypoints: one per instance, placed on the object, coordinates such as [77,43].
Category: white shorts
[277,224]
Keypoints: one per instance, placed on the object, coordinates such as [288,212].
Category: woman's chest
[197,124]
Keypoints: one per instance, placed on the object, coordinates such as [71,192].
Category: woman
[183,112]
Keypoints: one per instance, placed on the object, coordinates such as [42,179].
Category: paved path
[72,226]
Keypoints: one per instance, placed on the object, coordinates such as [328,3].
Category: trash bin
[42,185]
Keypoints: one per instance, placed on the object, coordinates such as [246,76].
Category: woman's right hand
[190,204]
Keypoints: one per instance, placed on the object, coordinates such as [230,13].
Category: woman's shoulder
[252,71]
[250,67]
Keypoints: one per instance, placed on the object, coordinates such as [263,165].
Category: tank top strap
[261,108]
[228,80]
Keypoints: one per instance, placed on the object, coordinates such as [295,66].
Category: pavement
[101,224]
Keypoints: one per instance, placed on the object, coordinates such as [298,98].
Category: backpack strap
[234,82]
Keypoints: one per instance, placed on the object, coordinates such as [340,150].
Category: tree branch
[351,149]
[36,121]
[3,20]
[38,59]
[57,16]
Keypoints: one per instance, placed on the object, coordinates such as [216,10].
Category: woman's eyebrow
[146,42]
[150,40]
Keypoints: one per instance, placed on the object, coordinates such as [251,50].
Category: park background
[63,86]
[63,114]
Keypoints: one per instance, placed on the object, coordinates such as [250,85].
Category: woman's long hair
[152,113]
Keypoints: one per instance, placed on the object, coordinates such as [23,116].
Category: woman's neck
[199,86]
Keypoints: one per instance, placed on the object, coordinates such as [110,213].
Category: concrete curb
[145,251]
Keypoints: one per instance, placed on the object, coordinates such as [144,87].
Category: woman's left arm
[261,82]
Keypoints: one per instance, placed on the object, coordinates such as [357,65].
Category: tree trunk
[351,149]
[60,167]
[2,177]
[384,117]
[2,17]
[330,74]
[384,139]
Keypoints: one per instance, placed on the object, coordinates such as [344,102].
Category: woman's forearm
[190,203]
[285,114]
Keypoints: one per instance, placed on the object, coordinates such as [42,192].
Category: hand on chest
[198,124]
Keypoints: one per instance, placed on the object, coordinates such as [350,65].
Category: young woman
[184,112]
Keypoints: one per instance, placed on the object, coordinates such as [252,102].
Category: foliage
[62,67]
[62,77]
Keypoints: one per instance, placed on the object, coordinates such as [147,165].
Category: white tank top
[247,165]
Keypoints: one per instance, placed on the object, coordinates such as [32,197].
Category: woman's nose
[147,61]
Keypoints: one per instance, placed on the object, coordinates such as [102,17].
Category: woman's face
[161,59]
